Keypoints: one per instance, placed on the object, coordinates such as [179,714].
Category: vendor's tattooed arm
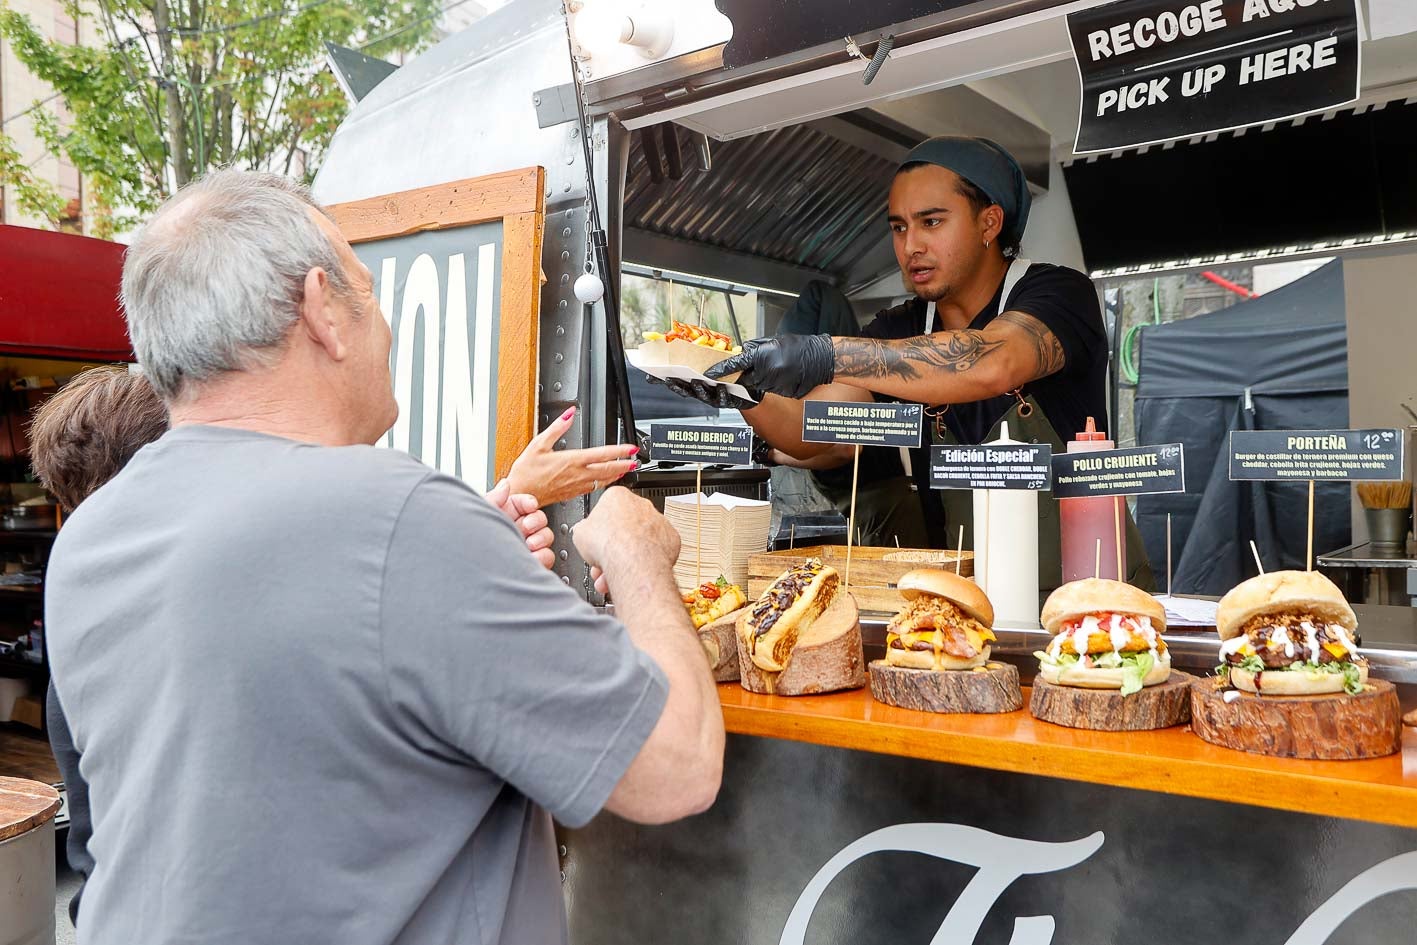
[953,366]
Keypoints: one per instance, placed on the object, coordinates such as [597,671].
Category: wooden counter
[1171,761]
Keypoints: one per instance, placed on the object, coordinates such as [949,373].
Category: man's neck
[961,306]
[262,405]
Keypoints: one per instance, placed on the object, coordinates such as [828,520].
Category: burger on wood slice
[784,611]
[1289,633]
[947,624]
[1106,635]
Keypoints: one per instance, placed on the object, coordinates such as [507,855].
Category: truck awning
[59,296]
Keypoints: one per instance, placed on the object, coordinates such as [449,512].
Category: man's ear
[992,217]
[320,317]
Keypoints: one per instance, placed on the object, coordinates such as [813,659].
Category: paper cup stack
[734,529]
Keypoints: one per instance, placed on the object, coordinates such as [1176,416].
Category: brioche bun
[1083,677]
[1077,599]
[1289,682]
[1283,592]
[960,591]
[925,659]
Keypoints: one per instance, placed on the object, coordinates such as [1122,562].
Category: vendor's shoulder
[1055,274]
[898,321]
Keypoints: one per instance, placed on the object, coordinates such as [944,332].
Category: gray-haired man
[323,693]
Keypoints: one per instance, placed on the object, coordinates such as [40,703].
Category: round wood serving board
[25,805]
[1107,710]
[828,656]
[1336,727]
[992,688]
[720,643]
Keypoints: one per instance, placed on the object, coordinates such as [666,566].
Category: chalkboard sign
[1159,70]
[990,466]
[700,443]
[455,270]
[1142,470]
[1323,455]
[885,424]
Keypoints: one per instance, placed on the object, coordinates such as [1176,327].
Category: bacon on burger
[1289,633]
[1106,635]
[946,624]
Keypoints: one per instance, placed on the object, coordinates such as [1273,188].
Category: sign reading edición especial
[886,424]
[1159,70]
[1323,455]
[1141,470]
[700,443]
[990,466]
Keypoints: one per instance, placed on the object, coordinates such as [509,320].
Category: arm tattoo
[1048,354]
[955,351]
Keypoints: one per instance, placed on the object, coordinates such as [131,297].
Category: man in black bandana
[987,338]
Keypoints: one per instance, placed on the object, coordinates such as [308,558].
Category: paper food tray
[682,372]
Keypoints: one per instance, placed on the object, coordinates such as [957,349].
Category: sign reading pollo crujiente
[1160,70]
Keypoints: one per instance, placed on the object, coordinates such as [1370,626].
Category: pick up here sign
[1159,70]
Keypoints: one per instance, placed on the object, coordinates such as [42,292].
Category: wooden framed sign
[457,273]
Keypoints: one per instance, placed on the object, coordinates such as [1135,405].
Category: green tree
[177,88]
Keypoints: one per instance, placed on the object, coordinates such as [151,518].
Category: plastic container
[1082,522]
[1006,550]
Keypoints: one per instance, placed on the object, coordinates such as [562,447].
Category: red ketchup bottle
[1082,522]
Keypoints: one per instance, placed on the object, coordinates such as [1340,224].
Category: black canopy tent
[1273,363]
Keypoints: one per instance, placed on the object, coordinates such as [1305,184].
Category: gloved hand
[715,395]
[790,365]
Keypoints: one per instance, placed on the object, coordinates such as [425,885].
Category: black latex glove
[715,395]
[790,365]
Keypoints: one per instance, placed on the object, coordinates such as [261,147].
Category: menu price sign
[1142,470]
[700,443]
[1160,70]
[1323,455]
[989,466]
[885,424]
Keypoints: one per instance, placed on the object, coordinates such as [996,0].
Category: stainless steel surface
[1363,555]
[27,888]
[1388,528]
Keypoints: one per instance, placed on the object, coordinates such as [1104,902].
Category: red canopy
[59,296]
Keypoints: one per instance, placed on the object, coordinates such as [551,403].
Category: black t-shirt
[1065,301]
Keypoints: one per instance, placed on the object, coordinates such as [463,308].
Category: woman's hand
[554,475]
[526,514]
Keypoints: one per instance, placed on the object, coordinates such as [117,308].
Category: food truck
[747,147]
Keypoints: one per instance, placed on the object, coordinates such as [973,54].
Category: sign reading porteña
[987,466]
[1138,471]
[825,421]
[1323,455]
[700,443]
[1158,70]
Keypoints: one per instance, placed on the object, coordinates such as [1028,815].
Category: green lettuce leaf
[1134,670]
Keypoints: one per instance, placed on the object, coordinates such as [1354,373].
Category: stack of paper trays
[717,537]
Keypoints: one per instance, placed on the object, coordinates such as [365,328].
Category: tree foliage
[177,87]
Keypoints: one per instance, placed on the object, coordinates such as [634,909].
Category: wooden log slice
[990,688]
[1410,718]
[1107,710]
[828,656]
[720,642]
[1335,727]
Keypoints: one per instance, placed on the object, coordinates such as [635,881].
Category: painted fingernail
[632,451]
[568,414]
[635,465]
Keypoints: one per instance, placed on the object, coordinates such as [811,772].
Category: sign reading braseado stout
[880,424]
[1159,70]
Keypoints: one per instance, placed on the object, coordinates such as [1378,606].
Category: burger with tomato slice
[1106,635]
[1289,633]
[947,623]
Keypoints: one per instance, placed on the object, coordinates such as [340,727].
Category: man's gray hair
[214,282]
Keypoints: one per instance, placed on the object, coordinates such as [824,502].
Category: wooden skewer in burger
[1292,681]
[802,636]
[937,650]
[1107,666]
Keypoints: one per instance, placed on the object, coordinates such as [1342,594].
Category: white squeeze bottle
[1006,548]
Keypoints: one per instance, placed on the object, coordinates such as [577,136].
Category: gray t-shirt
[326,695]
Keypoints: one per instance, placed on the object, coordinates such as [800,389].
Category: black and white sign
[700,443]
[1323,455]
[1159,70]
[825,421]
[987,466]
[1141,470]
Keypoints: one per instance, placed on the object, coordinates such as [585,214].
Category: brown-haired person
[80,438]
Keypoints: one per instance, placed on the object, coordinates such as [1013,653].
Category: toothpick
[897,540]
[851,520]
[1097,560]
[1117,527]
[1168,554]
[1309,554]
[1256,552]
[702,302]
[671,304]
[988,542]
[959,549]
[698,525]
[792,537]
